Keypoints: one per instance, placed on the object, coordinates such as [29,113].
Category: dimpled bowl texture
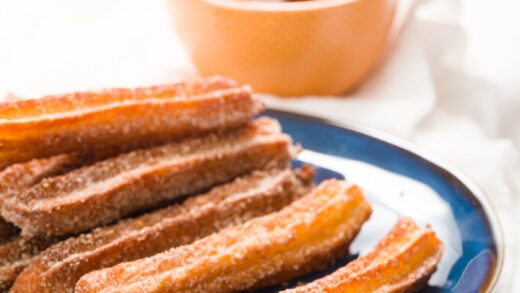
[320,47]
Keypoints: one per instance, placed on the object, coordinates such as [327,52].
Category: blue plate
[400,181]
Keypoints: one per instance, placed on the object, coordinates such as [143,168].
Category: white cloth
[449,83]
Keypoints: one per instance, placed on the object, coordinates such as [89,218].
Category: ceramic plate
[400,181]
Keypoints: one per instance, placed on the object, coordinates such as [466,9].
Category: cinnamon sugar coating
[402,261]
[111,189]
[58,268]
[306,235]
[16,252]
[121,119]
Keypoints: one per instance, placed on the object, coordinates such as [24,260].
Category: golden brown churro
[15,178]
[59,267]
[106,191]
[121,118]
[308,234]
[16,252]
[403,261]
[15,255]
[18,176]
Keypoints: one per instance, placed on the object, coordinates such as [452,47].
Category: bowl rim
[271,6]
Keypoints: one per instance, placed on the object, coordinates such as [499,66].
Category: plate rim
[489,209]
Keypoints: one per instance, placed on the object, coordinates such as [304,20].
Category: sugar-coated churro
[401,262]
[306,235]
[121,118]
[22,175]
[108,190]
[17,252]
[58,268]
[16,177]
[15,255]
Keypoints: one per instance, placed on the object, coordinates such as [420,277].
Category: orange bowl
[321,47]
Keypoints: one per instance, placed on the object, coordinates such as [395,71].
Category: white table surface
[450,84]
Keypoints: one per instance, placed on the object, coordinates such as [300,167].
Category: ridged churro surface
[58,268]
[15,255]
[17,252]
[308,234]
[121,118]
[21,175]
[401,262]
[108,190]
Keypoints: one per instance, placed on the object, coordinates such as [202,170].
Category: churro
[308,234]
[401,262]
[17,252]
[121,118]
[16,177]
[15,255]
[59,267]
[21,175]
[111,189]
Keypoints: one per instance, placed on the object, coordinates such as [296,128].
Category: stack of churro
[179,188]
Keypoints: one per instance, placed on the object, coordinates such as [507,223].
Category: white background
[451,82]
